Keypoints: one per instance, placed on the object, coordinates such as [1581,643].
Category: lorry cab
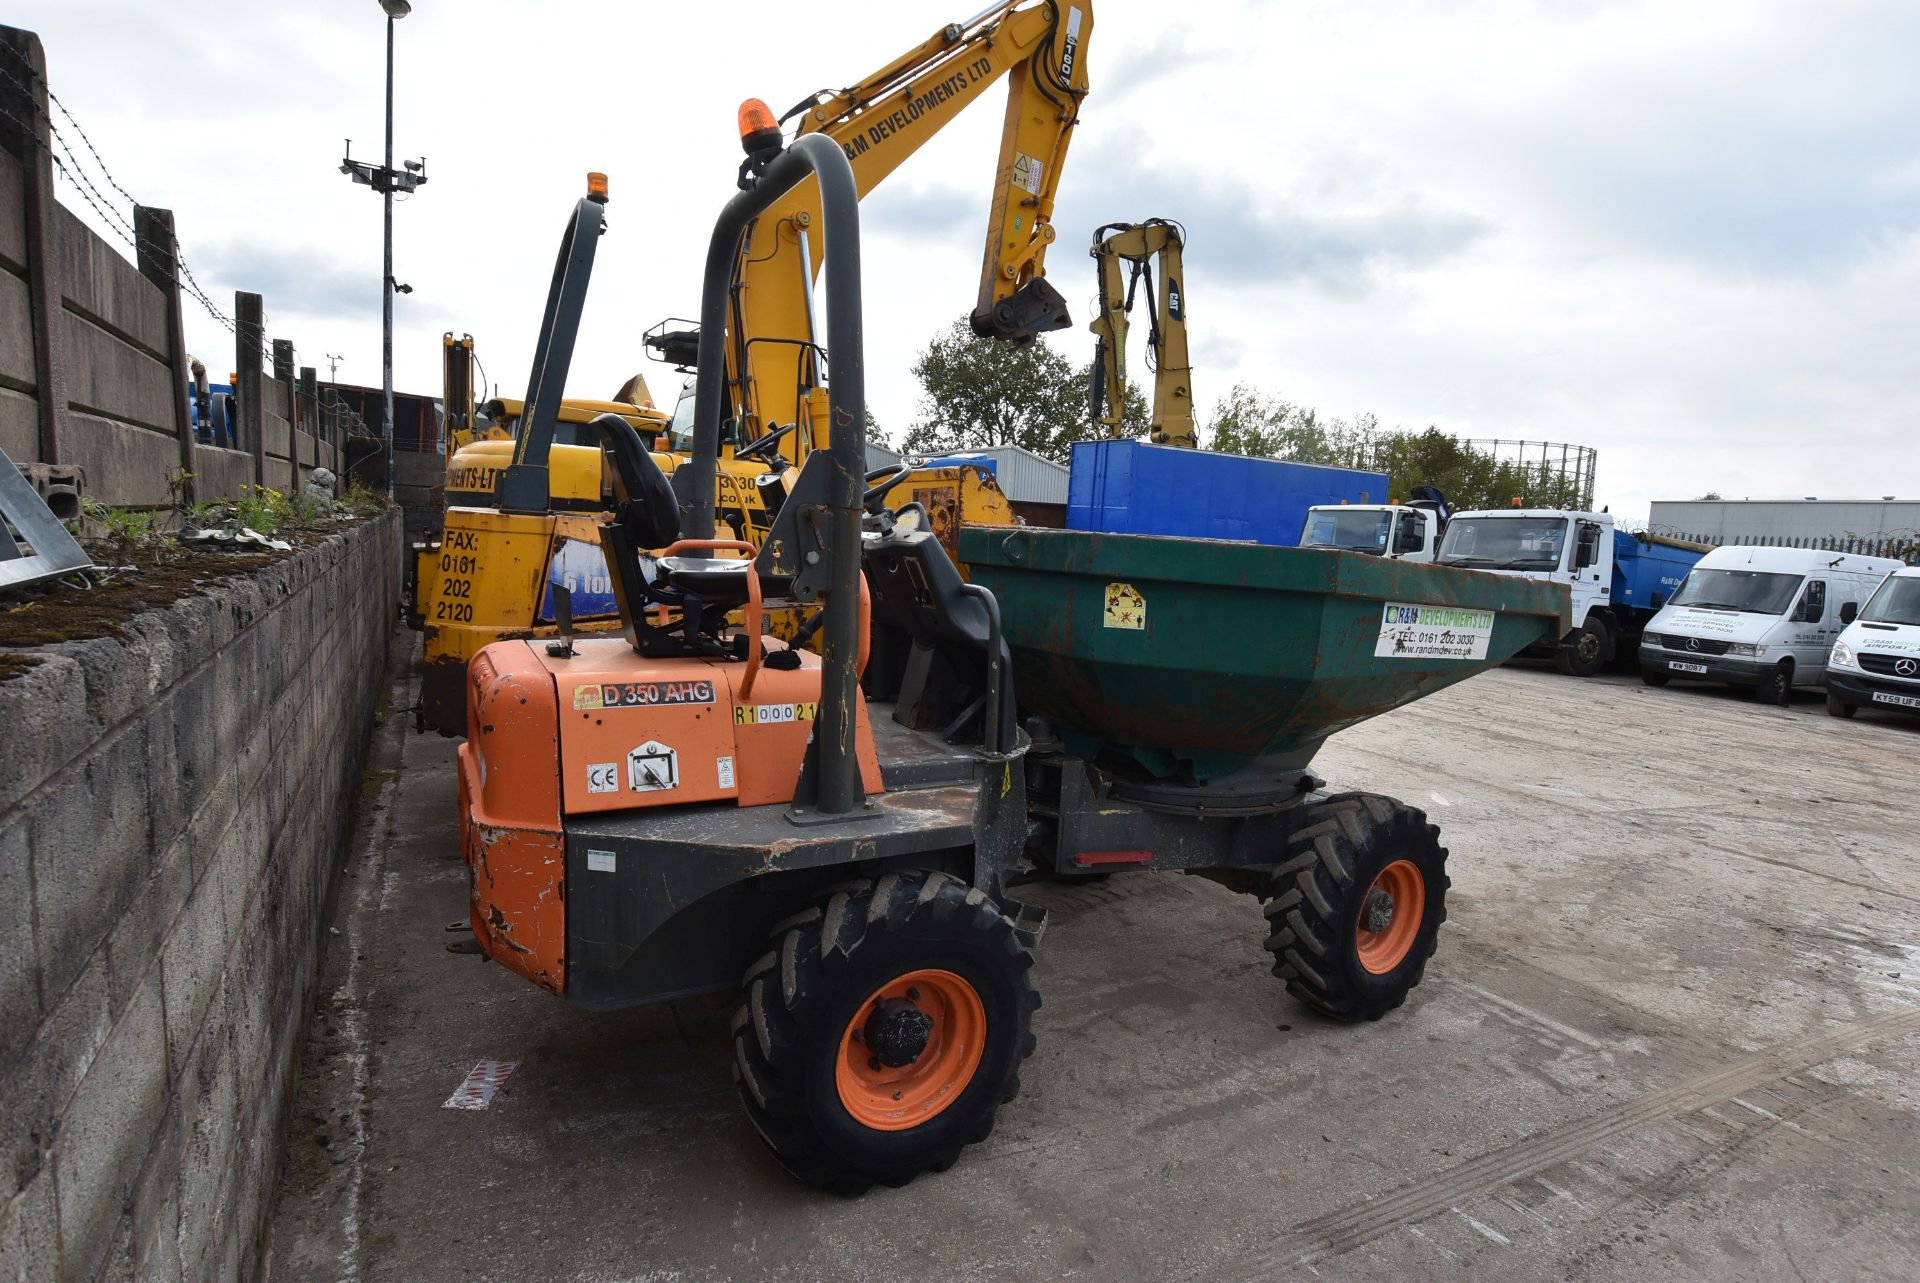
[1875,662]
[1617,579]
[1403,532]
[1571,548]
[1764,618]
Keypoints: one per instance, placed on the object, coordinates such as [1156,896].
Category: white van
[1760,617]
[1877,659]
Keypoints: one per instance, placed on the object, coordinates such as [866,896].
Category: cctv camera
[415,165]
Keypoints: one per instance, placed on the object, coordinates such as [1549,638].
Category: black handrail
[523,485]
[831,760]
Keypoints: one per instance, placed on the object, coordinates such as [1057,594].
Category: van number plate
[1904,701]
[1679,667]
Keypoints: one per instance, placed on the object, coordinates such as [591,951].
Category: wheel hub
[897,1032]
[1377,916]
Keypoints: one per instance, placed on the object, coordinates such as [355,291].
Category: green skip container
[1195,657]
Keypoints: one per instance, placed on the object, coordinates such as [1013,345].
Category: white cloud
[1688,235]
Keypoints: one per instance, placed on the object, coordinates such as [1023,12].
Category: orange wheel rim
[1390,916]
[894,1097]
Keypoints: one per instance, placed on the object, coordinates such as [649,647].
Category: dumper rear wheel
[883,1030]
[1356,907]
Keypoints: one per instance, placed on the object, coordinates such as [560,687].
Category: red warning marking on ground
[477,1091]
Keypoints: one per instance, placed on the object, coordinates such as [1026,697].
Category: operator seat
[930,636]
[647,517]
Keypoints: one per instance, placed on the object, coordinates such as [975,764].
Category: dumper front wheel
[1356,907]
[883,1030]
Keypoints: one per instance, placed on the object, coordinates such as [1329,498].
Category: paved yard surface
[1672,1032]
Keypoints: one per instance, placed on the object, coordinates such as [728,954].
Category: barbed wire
[75,172]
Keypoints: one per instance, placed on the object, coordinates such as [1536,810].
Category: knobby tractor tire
[1584,652]
[917,967]
[1837,707]
[1342,950]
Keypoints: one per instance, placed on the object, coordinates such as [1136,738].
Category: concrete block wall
[174,809]
[120,418]
[288,452]
[19,414]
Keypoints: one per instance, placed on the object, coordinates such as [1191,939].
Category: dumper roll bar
[831,766]
[523,485]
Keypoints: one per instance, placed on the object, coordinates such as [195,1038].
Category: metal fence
[1900,545]
[1569,468]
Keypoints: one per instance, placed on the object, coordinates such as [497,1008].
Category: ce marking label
[603,777]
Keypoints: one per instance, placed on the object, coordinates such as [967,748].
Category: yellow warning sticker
[1027,172]
[767,714]
[1126,608]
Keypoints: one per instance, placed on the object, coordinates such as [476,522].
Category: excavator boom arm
[880,121]
[1139,245]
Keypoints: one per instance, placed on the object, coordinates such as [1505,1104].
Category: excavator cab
[698,806]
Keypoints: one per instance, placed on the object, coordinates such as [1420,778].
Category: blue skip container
[1135,488]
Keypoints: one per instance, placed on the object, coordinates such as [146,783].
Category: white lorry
[1875,663]
[1617,580]
[1764,618]
[1407,531]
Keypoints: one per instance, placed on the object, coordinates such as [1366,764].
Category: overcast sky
[1686,234]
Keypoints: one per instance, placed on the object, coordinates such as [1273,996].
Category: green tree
[978,392]
[1250,422]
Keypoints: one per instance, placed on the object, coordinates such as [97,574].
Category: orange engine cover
[608,729]
[660,732]
[510,833]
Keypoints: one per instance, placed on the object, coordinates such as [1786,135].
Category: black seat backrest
[647,510]
[929,638]
[917,588]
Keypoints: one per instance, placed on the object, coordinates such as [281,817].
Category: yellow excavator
[774,357]
[479,443]
[1126,253]
[480,433]
[490,576]
[773,348]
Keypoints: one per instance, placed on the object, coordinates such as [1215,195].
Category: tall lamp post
[386,180]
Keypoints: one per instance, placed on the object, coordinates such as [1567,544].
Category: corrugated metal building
[1786,521]
[1024,475]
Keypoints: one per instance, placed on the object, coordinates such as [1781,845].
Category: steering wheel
[767,442]
[892,474]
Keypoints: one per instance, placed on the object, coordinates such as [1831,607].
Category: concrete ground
[1672,1031]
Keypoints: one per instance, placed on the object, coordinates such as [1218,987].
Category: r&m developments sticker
[1126,608]
[763,714]
[1433,632]
[641,694]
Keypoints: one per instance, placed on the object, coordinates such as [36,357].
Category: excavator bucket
[1024,315]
